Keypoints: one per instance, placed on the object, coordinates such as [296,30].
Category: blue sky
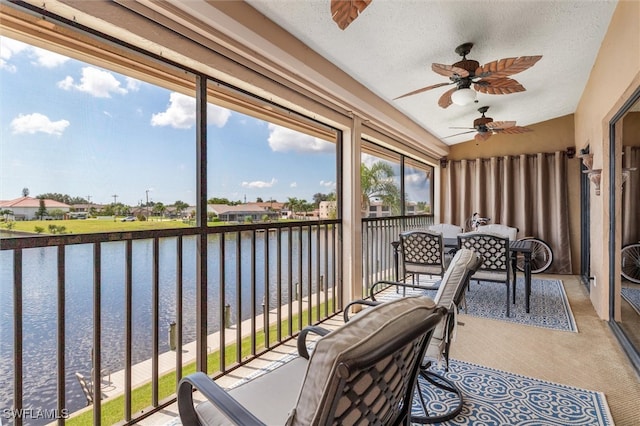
[74,128]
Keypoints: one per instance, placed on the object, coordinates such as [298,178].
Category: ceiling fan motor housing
[481,123]
[470,66]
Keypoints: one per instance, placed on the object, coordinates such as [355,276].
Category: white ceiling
[390,48]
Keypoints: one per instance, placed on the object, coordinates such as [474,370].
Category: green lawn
[90,226]
[112,411]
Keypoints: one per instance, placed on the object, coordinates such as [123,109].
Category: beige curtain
[527,191]
[631,196]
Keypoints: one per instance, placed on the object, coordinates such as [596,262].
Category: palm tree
[377,182]
[6,213]
[159,209]
[180,206]
[293,204]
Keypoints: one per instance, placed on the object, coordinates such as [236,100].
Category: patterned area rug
[494,397]
[632,295]
[549,307]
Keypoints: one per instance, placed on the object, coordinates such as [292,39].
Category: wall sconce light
[594,177]
[587,160]
[626,172]
[443,162]
[571,152]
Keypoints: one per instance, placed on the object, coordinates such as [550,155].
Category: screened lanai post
[201,222]
[351,213]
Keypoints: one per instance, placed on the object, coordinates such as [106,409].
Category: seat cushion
[370,329]
[490,276]
[270,397]
[498,229]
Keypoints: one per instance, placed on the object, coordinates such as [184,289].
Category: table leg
[514,262]
[527,278]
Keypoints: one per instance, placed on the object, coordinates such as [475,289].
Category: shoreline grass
[112,410]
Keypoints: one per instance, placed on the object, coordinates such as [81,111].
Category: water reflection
[40,303]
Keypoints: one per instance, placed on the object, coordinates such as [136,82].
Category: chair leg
[508,299]
[443,384]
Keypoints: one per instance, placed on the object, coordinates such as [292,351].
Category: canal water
[39,304]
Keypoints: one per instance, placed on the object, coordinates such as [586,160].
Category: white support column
[351,212]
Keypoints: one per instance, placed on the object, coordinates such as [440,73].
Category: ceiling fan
[345,12]
[486,127]
[490,78]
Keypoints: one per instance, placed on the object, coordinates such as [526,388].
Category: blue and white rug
[549,306]
[495,397]
[632,295]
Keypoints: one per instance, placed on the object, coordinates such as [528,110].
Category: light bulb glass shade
[463,96]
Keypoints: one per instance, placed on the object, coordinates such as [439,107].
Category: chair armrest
[302,338]
[372,292]
[216,395]
[357,302]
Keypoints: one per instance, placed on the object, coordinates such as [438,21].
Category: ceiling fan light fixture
[463,97]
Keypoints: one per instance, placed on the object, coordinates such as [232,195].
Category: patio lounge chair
[361,373]
[450,295]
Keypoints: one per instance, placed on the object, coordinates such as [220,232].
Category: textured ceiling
[390,48]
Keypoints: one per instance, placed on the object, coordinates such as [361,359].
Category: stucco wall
[614,76]
[549,136]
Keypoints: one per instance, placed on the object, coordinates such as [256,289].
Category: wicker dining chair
[422,253]
[496,261]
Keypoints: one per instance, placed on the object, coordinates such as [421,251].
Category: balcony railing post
[396,261]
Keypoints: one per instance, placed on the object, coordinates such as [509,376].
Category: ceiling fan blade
[458,134]
[481,137]
[424,89]
[345,12]
[445,99]
[514,130]
[507,66]
[500,125]
[500,86]
[449,70]
[469,128]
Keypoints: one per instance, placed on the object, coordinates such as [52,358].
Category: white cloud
[217,116]
[328,184]
[41,57]
[259,184]
[66,84]
[283,139]
[133,85]
[293,185]
[9,48]
[181,113]
[47,59]
[417,177]
[368,160]
[96,82]
[36,122]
